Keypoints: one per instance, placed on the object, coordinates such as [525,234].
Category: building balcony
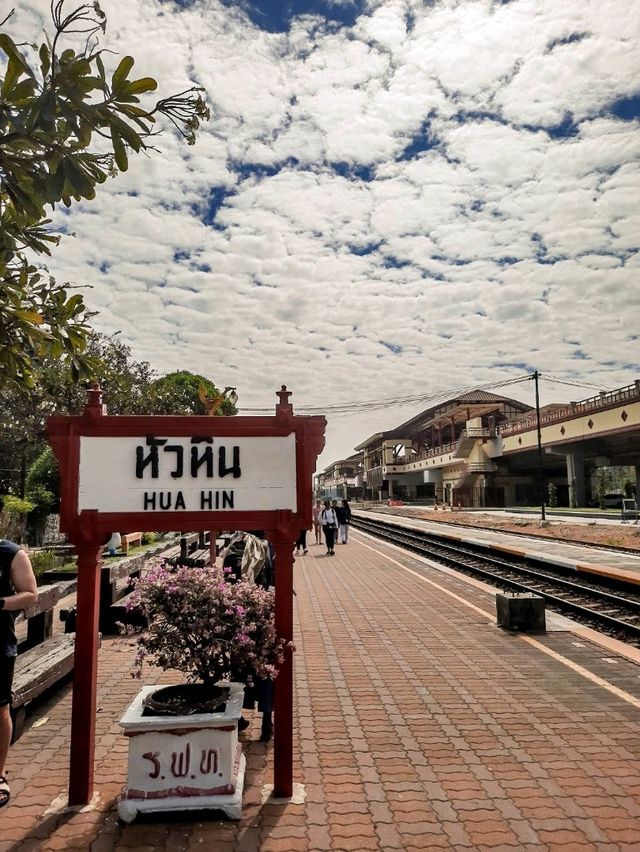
[603,400]
[427,454]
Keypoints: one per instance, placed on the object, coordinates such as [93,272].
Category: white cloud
[498,244]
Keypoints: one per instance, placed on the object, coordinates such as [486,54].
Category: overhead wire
[362,406]
[550,377]
[375,404]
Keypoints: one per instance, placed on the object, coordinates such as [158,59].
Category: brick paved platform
[419,726]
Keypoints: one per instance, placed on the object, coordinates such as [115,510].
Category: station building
[481,449]
[342,480]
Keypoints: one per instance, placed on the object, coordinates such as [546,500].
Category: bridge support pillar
[575,477]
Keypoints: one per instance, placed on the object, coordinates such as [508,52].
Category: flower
[205,626]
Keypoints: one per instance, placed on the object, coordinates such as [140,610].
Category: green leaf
[137,87]
[78,180]
[30,316]
[121,72]
[6,44]
[13,72]
[84,136]
[100,65]
[48,106]
[128,133]
[23,200]
[71,116]
[119,150]
[23,91]
[56,184]
[82,67]
[45,61]
[132,110]
[67,56]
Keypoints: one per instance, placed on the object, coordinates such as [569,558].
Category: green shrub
[150,537]
[13,517]
[43,560]
[11,503]
[44,501]
[42,485]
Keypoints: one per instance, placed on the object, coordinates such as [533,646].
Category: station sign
[201,473]
[137,473]
[160,473]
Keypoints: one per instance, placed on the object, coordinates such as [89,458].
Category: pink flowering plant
[205,626]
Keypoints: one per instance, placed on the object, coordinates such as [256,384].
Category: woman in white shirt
[329,521]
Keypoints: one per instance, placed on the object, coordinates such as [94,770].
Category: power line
[374,404]
[362,406]
[572,382]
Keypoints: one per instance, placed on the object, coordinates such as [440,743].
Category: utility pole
[535,378]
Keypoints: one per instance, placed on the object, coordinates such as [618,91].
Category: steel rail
[454,555]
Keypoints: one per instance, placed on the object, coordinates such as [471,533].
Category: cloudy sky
[392,198]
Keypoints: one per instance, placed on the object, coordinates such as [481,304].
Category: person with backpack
[344,518]
[329,521]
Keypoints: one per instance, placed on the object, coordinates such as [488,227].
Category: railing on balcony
[603,400]
[427,454]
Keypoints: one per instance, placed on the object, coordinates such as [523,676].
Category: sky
[392,198]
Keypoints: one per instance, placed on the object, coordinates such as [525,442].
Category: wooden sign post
[130,474]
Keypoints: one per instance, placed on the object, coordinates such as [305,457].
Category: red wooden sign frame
[89,529]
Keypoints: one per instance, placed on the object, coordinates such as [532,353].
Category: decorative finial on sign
[94,407]
[284,407]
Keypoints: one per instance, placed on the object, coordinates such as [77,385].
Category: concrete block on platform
[524,612]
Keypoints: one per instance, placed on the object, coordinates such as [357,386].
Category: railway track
[611,606]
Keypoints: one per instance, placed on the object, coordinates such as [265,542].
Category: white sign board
[158,474]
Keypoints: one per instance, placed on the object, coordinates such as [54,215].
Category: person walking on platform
[18,591]
[301,543]
[317,525]
[344,518]
[329,521]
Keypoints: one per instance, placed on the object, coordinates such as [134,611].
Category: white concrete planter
[183,762]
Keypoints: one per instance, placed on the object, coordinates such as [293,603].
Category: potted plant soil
[183,739]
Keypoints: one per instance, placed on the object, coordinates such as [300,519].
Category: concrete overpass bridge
[601,431]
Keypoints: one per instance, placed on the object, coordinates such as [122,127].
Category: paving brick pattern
[419,726]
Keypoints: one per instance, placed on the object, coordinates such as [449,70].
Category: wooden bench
[116,582]
[197,559]
[190,551]
[43,660]
[121,613]
[130,539]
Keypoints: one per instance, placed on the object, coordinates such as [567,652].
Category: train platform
[419,725]
[614,563]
